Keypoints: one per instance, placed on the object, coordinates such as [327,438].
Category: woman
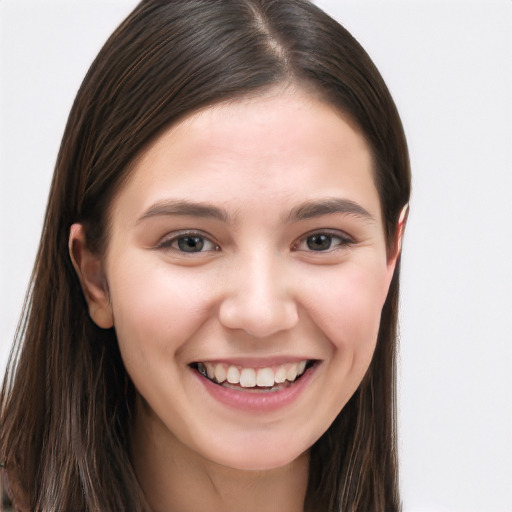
[212,318]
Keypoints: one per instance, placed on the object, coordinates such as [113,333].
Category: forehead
[270,150]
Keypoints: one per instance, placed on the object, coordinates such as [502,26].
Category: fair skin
[248,239]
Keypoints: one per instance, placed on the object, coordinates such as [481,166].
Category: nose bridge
[260,299]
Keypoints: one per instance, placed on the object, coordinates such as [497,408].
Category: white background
[449,67]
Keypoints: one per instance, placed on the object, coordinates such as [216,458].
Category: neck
[175,478]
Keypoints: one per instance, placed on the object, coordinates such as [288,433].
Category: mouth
[256,380]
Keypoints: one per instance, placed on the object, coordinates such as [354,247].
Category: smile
[272,378]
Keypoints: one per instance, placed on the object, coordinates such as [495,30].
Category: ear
[90,272]
[397,248]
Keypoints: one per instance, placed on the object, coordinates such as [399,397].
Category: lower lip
[264,401]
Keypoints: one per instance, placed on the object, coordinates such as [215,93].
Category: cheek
[155,308]
[349,309]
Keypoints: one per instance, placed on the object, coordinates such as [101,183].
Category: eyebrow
[180,207]
[304,211]
[329,206]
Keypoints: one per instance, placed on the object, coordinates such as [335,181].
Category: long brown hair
[67,401]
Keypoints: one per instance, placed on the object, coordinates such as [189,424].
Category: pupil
[190,243]
[319,242]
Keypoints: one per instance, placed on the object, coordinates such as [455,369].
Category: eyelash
[344,241]
[167,243]
[203,239]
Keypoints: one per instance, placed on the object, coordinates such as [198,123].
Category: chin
[258,456]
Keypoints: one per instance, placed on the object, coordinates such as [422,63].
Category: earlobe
[90,272]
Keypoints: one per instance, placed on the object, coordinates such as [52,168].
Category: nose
[260,299]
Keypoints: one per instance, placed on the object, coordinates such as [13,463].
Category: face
[245,277]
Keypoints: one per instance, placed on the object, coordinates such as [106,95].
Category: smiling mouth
[274,378]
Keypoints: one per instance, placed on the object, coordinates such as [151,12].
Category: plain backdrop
[449,66]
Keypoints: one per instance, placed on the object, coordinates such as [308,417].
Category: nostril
[260,321]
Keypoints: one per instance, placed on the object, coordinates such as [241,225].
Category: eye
[322,242]
[188,243]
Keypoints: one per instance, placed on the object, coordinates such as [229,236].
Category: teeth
[265,377]
[280,376]
[247,378]
[291,373]
[220,373]
[251,377]
[210,371]
[233,375]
